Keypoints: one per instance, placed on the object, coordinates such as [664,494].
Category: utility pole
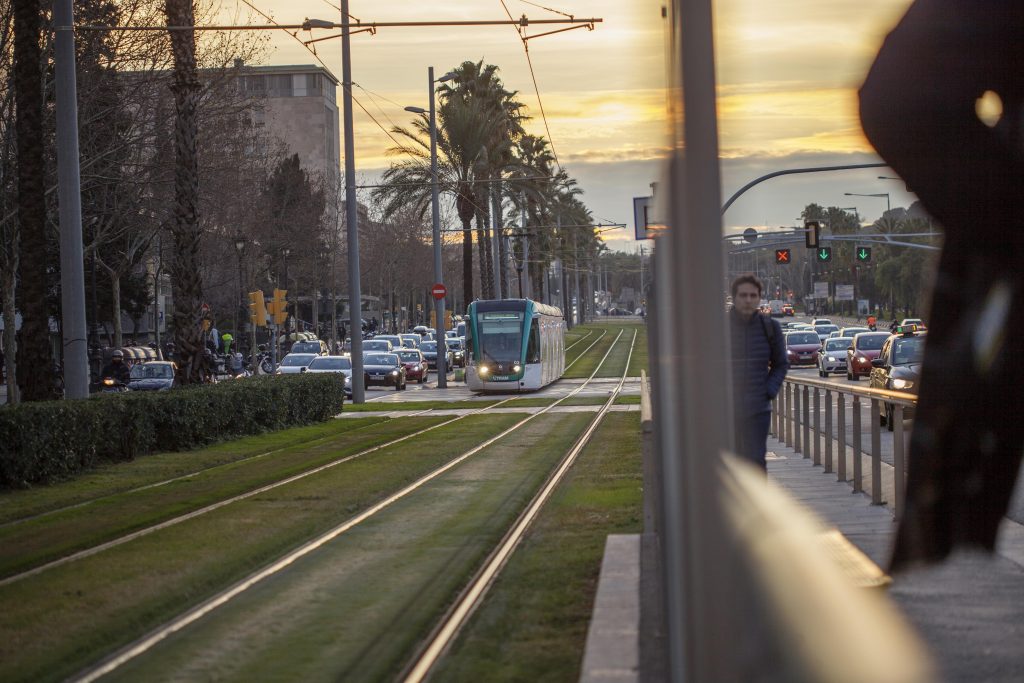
[640,297]
[351,213]
[72,268]
[435,208]
[496,238]
[526,253]
[576,280]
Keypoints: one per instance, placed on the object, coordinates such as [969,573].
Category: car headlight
[902,384]
[348,380]
[862,360]
[832,359]
[517,367]
[394,372]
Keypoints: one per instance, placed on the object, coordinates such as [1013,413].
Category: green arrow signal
[864,254]
[825,254]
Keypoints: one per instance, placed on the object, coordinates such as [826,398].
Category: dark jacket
[119,371]
[758,366]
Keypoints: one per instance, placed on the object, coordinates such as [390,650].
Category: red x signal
[782,255]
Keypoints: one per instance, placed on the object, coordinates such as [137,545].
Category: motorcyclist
[116,368]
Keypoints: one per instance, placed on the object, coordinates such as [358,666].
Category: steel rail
[587,335]
[192,615]
[584,351]
[450,626]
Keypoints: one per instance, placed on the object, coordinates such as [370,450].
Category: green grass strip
[124,476]
[533,624]
[529,402]
[588,361]
[585,401]
[639,360]
[43,539]
[55,623]
[379,406]
[628,400]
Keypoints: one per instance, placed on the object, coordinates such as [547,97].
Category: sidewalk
[969,610]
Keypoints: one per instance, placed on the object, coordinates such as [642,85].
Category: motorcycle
[110,385]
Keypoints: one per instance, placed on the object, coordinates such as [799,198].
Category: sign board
[820,290]
[862,307]
[844,292]
[438,291]
[644,221]
[750,235]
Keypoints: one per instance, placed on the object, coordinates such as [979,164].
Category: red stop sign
[438,291]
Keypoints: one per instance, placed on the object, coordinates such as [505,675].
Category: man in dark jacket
[758,367]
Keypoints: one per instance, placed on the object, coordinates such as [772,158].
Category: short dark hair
[747,279]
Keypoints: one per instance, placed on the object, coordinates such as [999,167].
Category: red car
[865,348]
[415,364]
[802,348]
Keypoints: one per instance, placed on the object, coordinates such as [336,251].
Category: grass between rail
[628,400]
[42,539]
[55,623]
[381,406]
[533,624]
[114,478]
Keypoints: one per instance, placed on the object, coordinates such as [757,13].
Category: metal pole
[857,473]
[496,236]
[526,254]
[435,211]
[841,455]
[817,426]
[876,455]
[72,267]
[351,212]
[828,430]
[898,461]
[807,422]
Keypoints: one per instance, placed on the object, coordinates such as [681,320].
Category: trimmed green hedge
[50,440]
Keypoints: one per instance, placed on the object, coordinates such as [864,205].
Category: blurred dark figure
[918,108]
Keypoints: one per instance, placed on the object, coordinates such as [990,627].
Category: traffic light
[782,256]
[812,232]
[863,254]
[824,254]
[279,307]
[257,309]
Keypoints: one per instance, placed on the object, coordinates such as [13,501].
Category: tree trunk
[502,254]
[115,298]
[10,340]
[185,230]
[35,375]
[464,205]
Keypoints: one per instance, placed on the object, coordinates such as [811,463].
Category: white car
[832,356]
[294,363]
[377,346]
[820,321]
[337,364]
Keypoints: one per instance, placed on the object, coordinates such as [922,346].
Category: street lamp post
[239,249]
[435,211]
[888,205]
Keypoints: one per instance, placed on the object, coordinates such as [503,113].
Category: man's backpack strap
[769,328]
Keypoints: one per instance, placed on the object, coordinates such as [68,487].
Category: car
[384,369]
[421,330]
[457,346]
[338,364]
[802,347]
[450,334]
[865,348]
[825,330]
[775,307]
[377,345]
[429,350]
[852,331]
[396,340]
[294,363]
[832,355]
[415,364]
[410,341]
[916,322]
[820,321]
[898,368]
[787,309]
[152,376]
[317,346]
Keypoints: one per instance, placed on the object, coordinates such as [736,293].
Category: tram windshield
[501,336]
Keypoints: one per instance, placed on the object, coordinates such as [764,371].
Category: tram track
[584,351]
[196,613]
[447,630]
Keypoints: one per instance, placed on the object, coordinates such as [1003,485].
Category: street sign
[863,254]
[844,292]
[820,290]
[824,254]
[439,291]
[750,235]
[782,256]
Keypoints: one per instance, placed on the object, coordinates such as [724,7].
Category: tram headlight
[517,367]
[483,370]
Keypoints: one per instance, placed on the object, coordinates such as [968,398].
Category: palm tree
[530,190]
[185,229]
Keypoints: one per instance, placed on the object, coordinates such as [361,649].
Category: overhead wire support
[372,26]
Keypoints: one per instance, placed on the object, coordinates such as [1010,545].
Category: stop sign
[438,291]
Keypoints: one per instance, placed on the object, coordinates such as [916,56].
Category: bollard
[857,483]
[817,426]
[876,455]
[841,437]
[807,421]
[898,459]
[828,430]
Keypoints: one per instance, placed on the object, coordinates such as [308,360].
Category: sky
[788,71]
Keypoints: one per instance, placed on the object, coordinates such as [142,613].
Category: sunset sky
[788,72]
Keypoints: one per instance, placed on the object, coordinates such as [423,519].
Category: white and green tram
[514,345]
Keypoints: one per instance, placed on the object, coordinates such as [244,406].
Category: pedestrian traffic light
[782,256]
[812,232]
[864,254]
[824,254]
[280,307]
[257,309]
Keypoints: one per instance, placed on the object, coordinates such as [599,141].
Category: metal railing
[796,421]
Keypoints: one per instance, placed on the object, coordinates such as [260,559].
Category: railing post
[796,419]
[773,425]
[857,474]
[841,437]
[788,418]
[898,459]
[807,421]
[876,455]
[817,426]
[828,430]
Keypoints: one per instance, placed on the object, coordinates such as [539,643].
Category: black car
[898,368]
[384,369]
[429,351]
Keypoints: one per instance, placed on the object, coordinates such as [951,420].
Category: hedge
[46,441]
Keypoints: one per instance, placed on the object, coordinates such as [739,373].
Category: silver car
[337,364]
[294,363]
[832,356]
[377,346]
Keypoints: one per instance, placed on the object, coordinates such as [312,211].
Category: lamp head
[416,110]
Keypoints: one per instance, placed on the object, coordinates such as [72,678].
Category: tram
[513,345]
